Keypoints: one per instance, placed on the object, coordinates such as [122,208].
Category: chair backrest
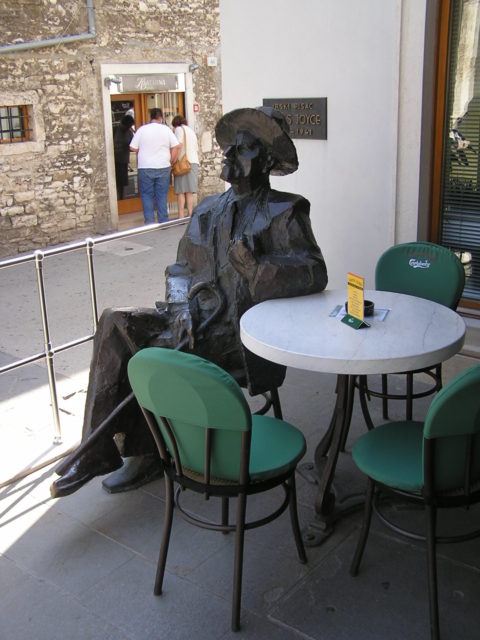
[453,422]
[194,396]
[422,269]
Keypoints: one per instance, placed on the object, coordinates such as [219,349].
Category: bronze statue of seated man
[248,244]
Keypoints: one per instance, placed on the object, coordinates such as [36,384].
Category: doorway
[138,105]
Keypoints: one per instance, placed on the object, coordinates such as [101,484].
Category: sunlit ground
[27,424]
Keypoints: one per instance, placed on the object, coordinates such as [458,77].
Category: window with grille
[14,124]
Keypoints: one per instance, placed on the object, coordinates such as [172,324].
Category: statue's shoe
[135,472]
[78,474]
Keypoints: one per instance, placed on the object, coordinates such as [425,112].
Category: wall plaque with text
[307,117]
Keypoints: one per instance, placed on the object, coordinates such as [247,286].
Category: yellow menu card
[355,287]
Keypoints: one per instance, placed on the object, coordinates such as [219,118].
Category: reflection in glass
[460,198]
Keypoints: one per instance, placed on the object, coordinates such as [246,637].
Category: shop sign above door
[306,117]
[152,82]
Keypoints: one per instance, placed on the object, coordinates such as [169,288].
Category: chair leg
[367,518]
[292,489]
[431,515]
[385,394]
[409,410]
[238,565]
[277,409]
[438,373]
[272,400]
[167,528]
[225,511]
[363,393]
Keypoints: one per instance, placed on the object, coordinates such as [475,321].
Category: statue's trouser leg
[120,334]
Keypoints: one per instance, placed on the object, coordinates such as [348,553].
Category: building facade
[373,61]
[68,72]
[398,159]
[401,82]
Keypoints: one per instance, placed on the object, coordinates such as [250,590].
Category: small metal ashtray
[368,307]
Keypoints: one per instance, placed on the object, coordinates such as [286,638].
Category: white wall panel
[348,51]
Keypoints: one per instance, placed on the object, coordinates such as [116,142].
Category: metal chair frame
[431,500]
[435,371]
[176,475]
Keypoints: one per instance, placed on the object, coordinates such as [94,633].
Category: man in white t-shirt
[157,150]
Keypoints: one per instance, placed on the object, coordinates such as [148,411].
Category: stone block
[24,196]
[15,211]
[24,221]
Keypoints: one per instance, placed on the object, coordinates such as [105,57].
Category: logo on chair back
[415,263]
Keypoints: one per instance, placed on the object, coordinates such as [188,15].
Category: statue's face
[245,160]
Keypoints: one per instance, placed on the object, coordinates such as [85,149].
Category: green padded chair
[209,442]
[435,463]
[425,270]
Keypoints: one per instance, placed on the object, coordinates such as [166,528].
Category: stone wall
[55,189]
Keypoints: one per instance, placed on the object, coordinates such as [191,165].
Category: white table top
[298,332]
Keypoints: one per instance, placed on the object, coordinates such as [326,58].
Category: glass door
[128,196]
[138,105]
[456,195]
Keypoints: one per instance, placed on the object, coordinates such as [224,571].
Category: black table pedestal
[322,471]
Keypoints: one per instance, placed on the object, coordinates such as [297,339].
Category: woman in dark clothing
[121,146]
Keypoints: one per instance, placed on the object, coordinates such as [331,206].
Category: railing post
[49,351]
[90,243]
[49,354]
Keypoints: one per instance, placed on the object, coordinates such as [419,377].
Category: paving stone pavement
[83,566]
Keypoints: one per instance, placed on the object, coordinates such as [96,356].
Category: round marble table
[299,332]
[305,333]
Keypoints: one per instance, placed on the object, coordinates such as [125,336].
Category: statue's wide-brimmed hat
[269,126]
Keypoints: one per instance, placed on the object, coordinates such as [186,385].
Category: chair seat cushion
[392,454]
[276,447]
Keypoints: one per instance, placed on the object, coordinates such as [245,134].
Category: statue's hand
[242,258]
[183,326]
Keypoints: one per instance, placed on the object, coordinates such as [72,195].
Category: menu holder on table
[378,314]
[355,289]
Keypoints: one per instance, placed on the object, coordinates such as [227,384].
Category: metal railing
[50,351]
